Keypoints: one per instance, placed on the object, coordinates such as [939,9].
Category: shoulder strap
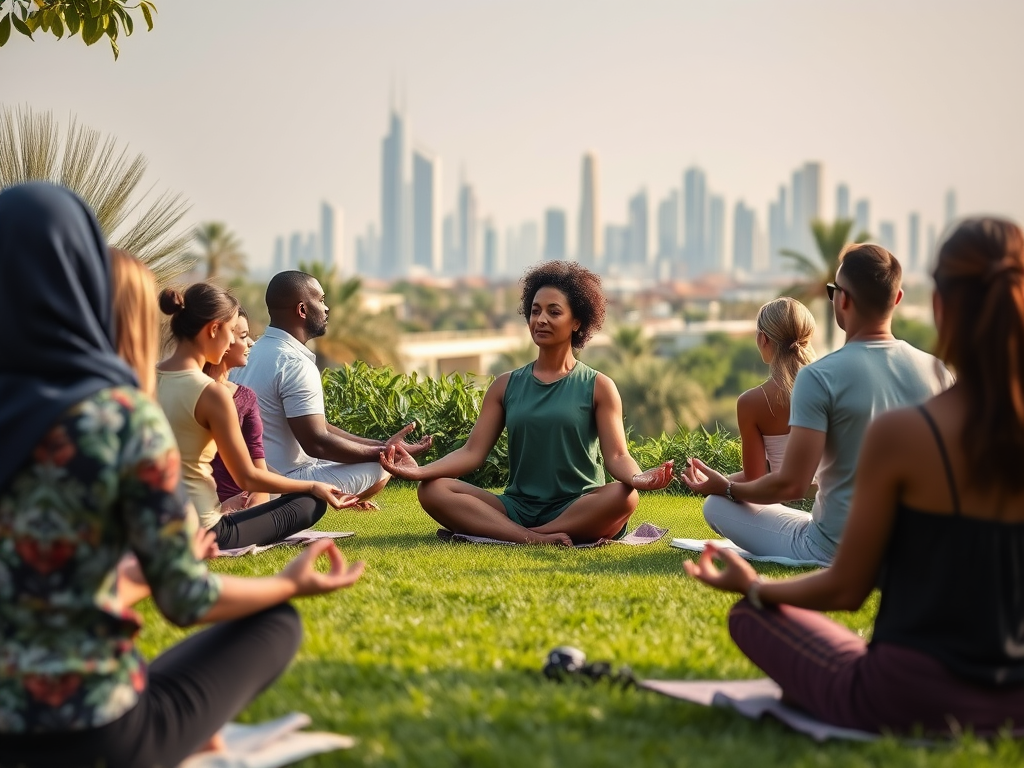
[767,399]
[945,458]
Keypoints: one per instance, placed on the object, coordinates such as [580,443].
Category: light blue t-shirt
[839,395]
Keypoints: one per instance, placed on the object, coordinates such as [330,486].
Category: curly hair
[581,287]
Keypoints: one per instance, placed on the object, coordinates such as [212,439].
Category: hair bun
[171,301]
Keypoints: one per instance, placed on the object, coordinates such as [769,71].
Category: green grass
[433,658]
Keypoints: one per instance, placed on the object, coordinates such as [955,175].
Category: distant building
[296,252]
[589,243]
[862,219]
[914,263]
[278,255]
[327,235]
[492,263]
[554,234]
[393,193]
[744,225]
[887,236]
[778,215]
[639,229]
[617,249]
[715,260]
[669,226]
[368,252]
[695,200]
[842,202]
[426,211]
[469,245]
[452,250]
[950,207]
[806,206]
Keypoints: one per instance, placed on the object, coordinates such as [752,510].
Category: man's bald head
[286,290]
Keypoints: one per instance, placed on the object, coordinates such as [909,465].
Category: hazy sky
[258,110]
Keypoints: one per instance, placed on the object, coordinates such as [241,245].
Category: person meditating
[203,416]
[92,477]
[936,522]
[785,328]
[558,411]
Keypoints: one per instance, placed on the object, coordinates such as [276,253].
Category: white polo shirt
[283,374]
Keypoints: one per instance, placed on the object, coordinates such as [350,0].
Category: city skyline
[267,115]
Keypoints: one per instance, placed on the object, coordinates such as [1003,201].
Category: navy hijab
[56,313]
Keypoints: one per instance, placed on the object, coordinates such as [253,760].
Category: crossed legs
[464,508]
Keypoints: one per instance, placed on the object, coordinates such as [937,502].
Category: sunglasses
[832,288]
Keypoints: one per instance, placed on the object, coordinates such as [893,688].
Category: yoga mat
[269,745]
[295,540]
[754,699]
[697,545]
[645,533]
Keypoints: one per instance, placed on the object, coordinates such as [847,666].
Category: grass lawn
[433,658]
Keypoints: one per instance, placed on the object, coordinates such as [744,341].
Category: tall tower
[392,194]
[695,218]
[715,258]
[744,224]
[426,210]
[639,228]
[861,218]
[842,202]
[327,236]
[554,234]
[914,243]
[589,231]
[468,239]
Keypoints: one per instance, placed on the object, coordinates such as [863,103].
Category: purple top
[252,433]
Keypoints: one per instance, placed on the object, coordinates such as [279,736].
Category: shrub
[377,402]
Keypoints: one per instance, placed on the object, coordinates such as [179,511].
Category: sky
[256,111]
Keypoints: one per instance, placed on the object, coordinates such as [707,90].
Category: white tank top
[775,449]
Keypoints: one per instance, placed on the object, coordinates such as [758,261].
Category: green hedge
[377,402]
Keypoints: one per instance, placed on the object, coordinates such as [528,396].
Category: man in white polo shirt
[282,372]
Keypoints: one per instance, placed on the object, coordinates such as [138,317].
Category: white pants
[772,530]
[350,478]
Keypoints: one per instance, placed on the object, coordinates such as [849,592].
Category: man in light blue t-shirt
[832,403]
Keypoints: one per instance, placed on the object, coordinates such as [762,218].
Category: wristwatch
[754,593]
[728,492]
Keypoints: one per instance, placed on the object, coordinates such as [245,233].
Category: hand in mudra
[418,448]
[397,462]
[653,479]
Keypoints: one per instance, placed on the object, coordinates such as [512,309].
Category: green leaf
[91,30]
[5,29]
[21,26]
[147,15]
[57,27]
[113,47]
[73,20]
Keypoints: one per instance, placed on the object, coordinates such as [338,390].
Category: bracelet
[754,593]
[728,492]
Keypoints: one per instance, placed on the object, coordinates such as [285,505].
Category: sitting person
[203,416]
[833,400]
[93,476]
[230,494]
[299,441]
[785,328]
[937,522]
[558,411]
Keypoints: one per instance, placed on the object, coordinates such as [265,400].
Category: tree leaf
[147,15]
[91,30]
[5,29]
[113,47]
[72,19]
[57,27]
[21,26]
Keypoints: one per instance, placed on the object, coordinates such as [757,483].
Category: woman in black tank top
[937,521]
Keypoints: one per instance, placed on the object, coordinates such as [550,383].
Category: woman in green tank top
[562,417]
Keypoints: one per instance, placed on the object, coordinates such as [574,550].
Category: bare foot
[551,539]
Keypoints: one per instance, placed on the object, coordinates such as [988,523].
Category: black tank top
[953,587]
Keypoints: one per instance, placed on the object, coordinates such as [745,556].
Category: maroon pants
[830,672]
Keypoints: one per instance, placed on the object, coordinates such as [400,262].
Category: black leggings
[193,689]
[270,522]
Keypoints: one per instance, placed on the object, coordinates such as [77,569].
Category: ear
[300,309]
[899,296]
[214,328]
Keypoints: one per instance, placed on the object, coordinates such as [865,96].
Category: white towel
[697,545]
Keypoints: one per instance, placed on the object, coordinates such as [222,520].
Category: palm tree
[352,333]
[658,397]
[830,239]
[629,343]
[220,249]
[104,175]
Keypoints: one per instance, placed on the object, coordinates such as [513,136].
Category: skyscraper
[639,229]
[914,243]
[842,202]
[589,229]
[744,224]
[295,250]
[695,218]
[426,210]
[492,265]
[862,219]
[806,205]
[887,236]
[554,234]
[452,251]
[950,207]
[715,259]
[278,262]
[327,234]
[669,226]
[777,231]
[367,251]
[469,245]
[392,214]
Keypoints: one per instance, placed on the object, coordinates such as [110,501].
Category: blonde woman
[785,328]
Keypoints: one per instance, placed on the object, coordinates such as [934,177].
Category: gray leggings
[270,522]
[193,689]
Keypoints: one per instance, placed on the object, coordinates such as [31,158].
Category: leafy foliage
[106,177]
[94,19]
[377,402]
[220,250]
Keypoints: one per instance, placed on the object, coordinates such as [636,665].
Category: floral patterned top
[102,482]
